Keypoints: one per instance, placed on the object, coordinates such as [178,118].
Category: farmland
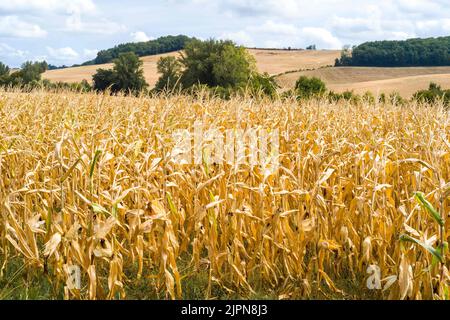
[288,66]
[270,61]
[405,81]
[89,180]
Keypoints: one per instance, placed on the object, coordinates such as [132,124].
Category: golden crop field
[87,180]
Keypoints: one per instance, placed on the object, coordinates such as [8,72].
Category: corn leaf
[430,249]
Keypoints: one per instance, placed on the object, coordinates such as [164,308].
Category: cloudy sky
[72,31]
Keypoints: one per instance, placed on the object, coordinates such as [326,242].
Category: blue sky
[72,31]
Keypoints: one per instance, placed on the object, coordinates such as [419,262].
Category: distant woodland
[408,53]
[141,49]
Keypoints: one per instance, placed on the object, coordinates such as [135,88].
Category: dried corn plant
[88,180]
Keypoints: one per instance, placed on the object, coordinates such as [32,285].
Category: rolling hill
[76,74]
[285,65]
[405,81]
[271,61]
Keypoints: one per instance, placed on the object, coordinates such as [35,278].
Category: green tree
[127,75]
[309,87]
[4,70]
[4,74]
[153,47]
[407,53]
[104,79]
[216,63]
[129,72]
[234,68]
[30,72]
[346,57]
[85,86]
[170,69]
[434,94]
[215,66]
[263,84]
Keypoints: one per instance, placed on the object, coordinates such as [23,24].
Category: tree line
[29,74]
[215,65]
[152,47]
[224,69]
[407,53]
[29,77]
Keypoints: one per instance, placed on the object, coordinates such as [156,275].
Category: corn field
[88,180]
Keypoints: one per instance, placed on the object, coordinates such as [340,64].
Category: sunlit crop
[87,180]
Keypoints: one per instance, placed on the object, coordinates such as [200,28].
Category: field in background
[271,61]
[278,61]
[405,81]
[77,74]
[86,180]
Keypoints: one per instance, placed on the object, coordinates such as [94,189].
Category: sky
[72,31]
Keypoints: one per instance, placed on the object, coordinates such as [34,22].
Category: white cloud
[354,25]
[8,51]
[271,28]
[74,23]
[283,8]
[12,26]
[375,27]
[347,20]
[63,54]
[294,9]
[321,37]
[420,7]
[73,12]
[40,58]
[69,6]
[90,53]
[140,36]
[438,26]
[262,23]
[241,38]
[280,35]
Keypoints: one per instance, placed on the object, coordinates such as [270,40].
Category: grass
[20,283]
